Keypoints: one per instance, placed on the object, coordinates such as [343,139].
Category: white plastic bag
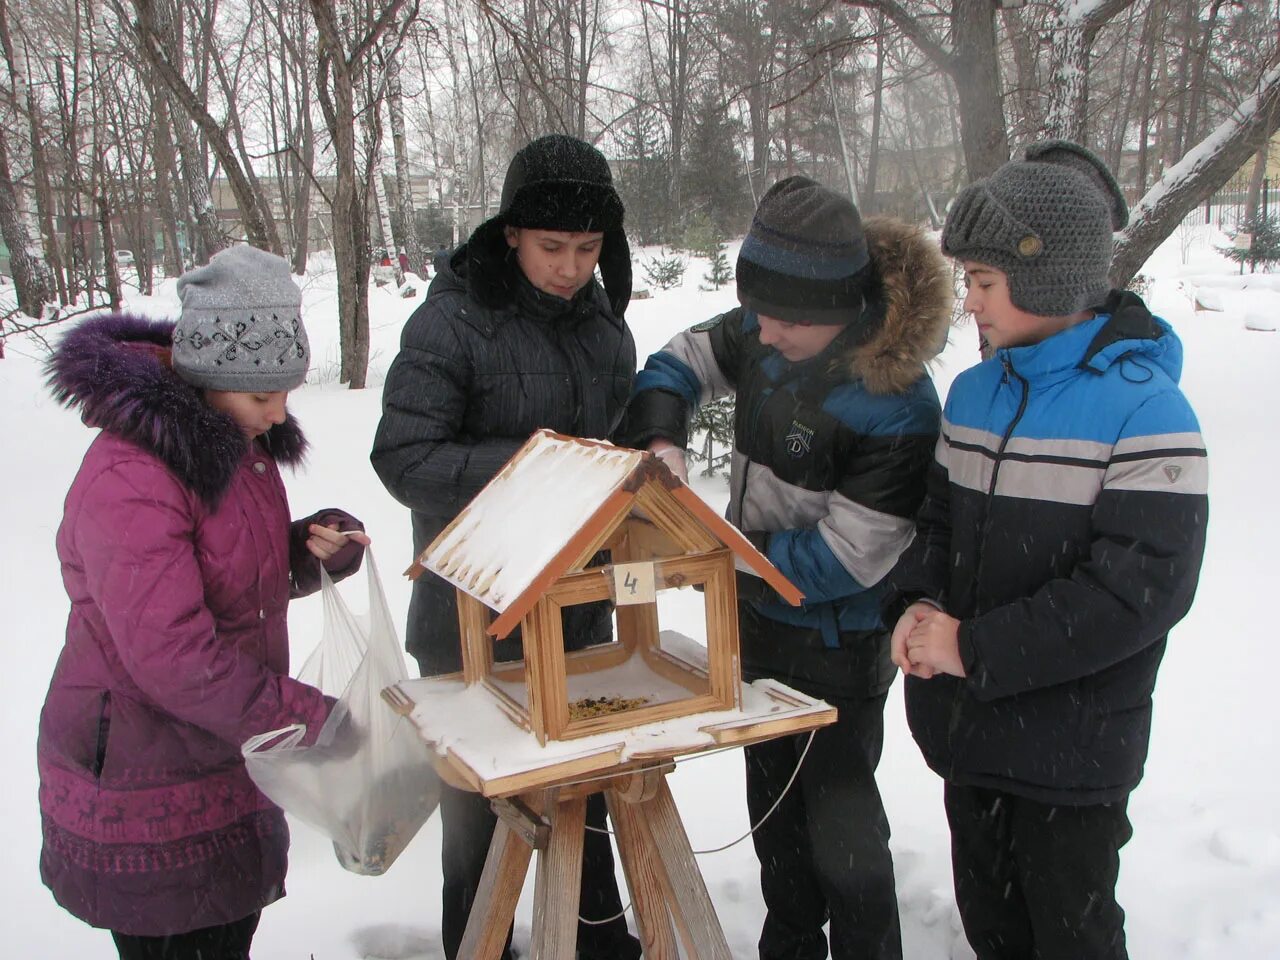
[370,800]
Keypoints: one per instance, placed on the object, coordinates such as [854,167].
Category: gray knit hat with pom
[1047,222]
[241,324]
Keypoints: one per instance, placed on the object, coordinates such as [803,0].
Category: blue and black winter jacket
[829,456]
[1064,527]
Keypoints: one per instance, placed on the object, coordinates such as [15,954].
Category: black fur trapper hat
[557,182]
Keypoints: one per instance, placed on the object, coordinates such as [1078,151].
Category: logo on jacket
[799,439]
[1173,472]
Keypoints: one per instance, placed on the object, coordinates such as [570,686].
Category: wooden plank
[527,823]
[494,907]
[637,625]
[460,773]
[600,657]
[606,758]
[477,648]
[641,869]
[558,883]
[512,709]
[746,731]
[739,544]
[685,891]
[682,526]
[722,632]
[582,546]
[543,636]
[585,587]
[647,541]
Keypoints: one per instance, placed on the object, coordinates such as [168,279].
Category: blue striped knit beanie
[1046,221]
[805,258]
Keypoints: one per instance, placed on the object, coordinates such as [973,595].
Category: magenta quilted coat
[179,558]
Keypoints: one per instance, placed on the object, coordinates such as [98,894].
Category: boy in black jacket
[836,419]
[1060,539]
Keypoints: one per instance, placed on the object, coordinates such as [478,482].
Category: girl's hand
[325,541]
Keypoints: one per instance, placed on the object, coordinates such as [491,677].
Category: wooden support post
[667,892]
[558,886]
[644,880]
[685,891]
[499,892]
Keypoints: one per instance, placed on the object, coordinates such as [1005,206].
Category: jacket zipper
[1009,371]
[104,724]
[571,371]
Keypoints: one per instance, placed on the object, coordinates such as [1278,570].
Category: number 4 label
[634,583]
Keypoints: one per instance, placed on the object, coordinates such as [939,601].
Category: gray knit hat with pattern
[1047,222]
[241,324]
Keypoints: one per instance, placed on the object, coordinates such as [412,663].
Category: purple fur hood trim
[114,367]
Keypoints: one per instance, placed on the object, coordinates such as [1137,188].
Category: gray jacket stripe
[1167,473]
[770,502]
[1053,480]
[694,348]
[866,542]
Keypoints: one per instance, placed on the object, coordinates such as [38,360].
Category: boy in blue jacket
[836,420]
[1059,541]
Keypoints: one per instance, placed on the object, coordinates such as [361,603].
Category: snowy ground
[1201,878]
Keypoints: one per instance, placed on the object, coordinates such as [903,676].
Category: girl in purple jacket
[180,560]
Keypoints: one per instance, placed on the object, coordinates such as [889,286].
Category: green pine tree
[719,272]
[713,426]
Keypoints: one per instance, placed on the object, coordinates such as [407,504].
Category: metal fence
[1226,208]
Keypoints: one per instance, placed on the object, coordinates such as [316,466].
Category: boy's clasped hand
[926,642]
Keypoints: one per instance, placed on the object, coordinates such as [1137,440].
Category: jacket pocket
[104,728]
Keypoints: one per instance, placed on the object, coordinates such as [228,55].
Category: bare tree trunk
[404,184]
[1176,146]
[1073,35]
[976,71]
[1205,168]
[1197,72]
[162,145]
[1022,43]
[338,69]
[98,179]
[31,276]
[870,203]
[972,61]
[151,40]
[208,236]
[844,147]
[34,288]
[1149,31]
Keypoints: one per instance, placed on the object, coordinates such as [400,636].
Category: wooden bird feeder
[521,552]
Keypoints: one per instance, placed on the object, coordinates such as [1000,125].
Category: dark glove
[339,739]
[305,567]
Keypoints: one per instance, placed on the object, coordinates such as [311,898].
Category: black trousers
[1036,880]
[468,822]
[824,852]
[230,941]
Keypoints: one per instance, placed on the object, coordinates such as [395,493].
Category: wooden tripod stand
[662,876]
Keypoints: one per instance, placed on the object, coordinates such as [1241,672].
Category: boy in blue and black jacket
[1060,540]
[835,423]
